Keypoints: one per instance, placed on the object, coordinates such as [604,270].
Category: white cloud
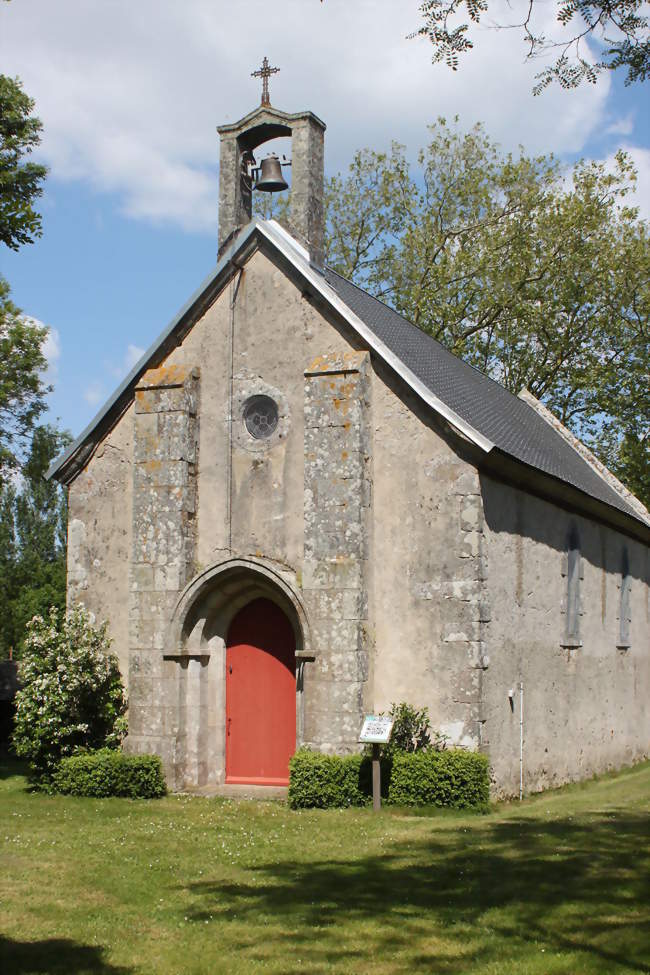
[131,356]
[94,393]
[130,93]
[51,349]
[622,126]
[52,352]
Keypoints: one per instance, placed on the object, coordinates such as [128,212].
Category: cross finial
[265,73]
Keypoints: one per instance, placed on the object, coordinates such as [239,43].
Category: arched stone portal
[195,662]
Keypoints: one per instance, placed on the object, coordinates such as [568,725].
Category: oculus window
[260,416]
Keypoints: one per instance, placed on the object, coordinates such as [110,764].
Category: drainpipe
[521,740]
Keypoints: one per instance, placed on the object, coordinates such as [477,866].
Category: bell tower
[237,169]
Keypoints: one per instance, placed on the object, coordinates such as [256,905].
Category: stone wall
[337,532]
[99,535]
[165,694]
[429,609]
[585,705]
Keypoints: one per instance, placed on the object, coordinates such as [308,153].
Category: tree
[72,695]
[22,390]
[22,362]
[33,521]
[620,27]
[538,277]
[20,181]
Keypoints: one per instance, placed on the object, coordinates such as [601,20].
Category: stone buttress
[337,547]
[163,560]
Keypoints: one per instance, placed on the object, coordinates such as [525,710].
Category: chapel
[299,508]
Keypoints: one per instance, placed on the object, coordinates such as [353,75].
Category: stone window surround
[573,572]
[624,617]
[243,389]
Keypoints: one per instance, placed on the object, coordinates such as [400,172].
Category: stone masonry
[164,503]
[240,139]
[338,498]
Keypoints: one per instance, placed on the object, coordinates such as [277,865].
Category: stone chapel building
[298,508]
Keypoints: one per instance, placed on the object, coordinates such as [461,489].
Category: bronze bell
[271,179]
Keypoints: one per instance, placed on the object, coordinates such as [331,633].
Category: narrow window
[573,609]
[624,604]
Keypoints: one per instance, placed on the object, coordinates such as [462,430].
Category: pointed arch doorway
[260,695]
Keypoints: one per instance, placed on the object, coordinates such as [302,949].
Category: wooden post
[376,779]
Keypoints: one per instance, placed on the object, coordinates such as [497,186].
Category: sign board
[376,729]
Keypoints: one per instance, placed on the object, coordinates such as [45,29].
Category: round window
[260,416]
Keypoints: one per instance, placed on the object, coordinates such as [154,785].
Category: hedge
[327,781]
[108,772]
[455,778]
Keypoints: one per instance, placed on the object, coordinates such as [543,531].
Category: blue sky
[130,93]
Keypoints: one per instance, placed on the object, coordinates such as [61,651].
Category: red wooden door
[260,695]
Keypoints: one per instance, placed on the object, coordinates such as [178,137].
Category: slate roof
[511,424]
[478,406]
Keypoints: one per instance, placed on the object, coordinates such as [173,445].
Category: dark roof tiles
[511,424]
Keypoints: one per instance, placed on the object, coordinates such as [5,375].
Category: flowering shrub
[72,695]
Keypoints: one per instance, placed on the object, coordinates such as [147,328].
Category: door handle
[229,723]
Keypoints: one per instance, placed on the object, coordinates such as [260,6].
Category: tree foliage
[33,522]
[72,695]
[20,181]
[411,727]
[620,29]
[22,389]
[537,276]
[22,362]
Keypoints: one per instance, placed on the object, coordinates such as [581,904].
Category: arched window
[624,604]
[574,575]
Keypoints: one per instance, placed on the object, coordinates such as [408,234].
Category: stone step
[225,791]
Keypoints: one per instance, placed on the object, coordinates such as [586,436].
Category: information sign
[376,729]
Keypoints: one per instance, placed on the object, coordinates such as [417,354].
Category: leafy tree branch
[537,275]
[619,28]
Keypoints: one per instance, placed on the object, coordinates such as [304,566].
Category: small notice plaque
[376,729]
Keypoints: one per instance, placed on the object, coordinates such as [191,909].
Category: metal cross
[265,73]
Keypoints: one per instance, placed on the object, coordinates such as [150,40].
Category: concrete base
[272,792]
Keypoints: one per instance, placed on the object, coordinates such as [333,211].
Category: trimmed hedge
[455,778]
[327,781]
[108,772]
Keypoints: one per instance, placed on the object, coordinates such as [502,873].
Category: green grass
[557,884]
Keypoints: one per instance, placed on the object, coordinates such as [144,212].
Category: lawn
[557,884]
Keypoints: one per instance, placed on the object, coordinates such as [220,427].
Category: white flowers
[72,694]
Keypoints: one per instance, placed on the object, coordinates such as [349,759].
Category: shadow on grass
[11,766]
[54,956]
[460,900]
